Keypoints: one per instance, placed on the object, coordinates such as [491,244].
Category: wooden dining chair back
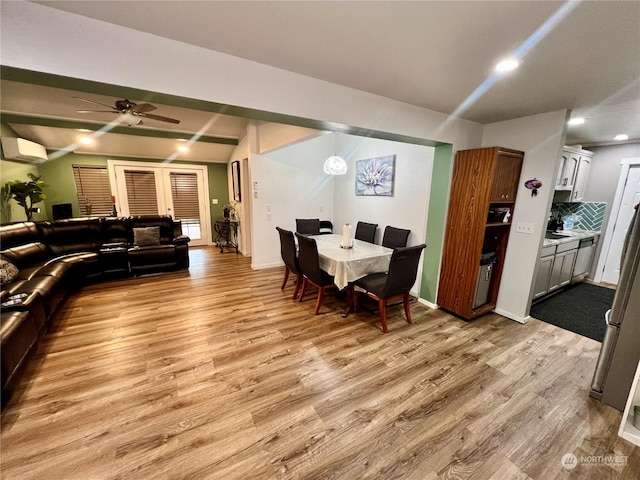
[395,237]
[366,232]
[393,285]
[290,259]
[308,226]
[312,273]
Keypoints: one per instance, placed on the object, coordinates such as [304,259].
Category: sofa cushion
[18,234]
[146,236]
[18,334]
[72,235]
[8,272]
[163,221]
[115,230]
[28,255]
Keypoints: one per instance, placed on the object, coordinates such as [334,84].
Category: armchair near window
[393,285]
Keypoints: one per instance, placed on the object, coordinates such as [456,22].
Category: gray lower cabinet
[542,278]
[562,269]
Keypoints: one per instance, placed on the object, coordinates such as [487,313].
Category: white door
[177,190]
[630,198]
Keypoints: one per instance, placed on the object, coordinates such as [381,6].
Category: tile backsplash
[590,214]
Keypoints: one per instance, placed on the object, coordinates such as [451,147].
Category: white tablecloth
[349,264]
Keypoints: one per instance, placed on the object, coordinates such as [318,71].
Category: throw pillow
[8,271]
[146,236]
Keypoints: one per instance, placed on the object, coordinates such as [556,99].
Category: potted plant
[5,206]
[28,193]
[229,211]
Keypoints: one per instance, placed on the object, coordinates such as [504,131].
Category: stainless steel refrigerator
[620,350]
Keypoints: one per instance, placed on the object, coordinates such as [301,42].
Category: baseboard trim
[511,316]
[427,303]
[267,265]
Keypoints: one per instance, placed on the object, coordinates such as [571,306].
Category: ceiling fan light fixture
[129,118]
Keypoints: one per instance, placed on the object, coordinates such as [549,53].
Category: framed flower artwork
[375,176]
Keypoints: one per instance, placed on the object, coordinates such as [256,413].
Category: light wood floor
[217,374]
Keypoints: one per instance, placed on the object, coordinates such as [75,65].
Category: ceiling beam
[88,86]
[11,118]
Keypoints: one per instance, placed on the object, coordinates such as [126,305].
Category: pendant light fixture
[335,165]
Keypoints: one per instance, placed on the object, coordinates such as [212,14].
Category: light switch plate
[524,228]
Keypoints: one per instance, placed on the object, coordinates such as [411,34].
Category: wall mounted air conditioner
[24,150]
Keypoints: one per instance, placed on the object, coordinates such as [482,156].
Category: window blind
[93,189]
[184,193]
[141,192]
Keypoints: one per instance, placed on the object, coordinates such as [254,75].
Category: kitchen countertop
[570,236]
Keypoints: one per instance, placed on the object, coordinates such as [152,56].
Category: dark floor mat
[579,308]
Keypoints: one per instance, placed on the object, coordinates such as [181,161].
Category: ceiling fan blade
[96,103]
[159,118]
[97,111]
[145,107]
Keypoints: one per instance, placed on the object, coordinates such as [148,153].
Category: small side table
[226,234]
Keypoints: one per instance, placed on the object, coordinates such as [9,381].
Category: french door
[156,189]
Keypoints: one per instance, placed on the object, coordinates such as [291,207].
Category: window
[141,192]
[93,189]
[186,206]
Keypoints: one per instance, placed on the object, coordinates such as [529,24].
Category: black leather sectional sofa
[41,262]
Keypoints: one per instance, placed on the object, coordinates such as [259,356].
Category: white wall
[541,137]
[291,184]
[240,152]
[407,208]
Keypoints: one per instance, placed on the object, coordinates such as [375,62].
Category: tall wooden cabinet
[485,183]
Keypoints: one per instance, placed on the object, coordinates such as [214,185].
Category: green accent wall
[218,188]
[436,221]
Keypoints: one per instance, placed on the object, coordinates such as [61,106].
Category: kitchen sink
[554,236]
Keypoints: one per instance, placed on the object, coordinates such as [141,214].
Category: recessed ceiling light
[622,136]
[183,148]
[576,121]
[83,130]
[182,140]
[507,65]
[86,140]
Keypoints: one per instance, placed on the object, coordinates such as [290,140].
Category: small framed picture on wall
[235,179]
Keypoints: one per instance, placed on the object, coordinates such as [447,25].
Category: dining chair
[366,231]
[395,237]
[308,226]
[326,227]
[393,285]
[311,271]
[290,259]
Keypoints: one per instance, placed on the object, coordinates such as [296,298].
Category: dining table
[349,264]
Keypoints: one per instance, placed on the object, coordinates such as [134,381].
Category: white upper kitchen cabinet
[573,174]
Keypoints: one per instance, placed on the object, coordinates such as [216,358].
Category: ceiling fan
[128,112]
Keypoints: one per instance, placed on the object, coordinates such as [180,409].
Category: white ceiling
[427,53]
